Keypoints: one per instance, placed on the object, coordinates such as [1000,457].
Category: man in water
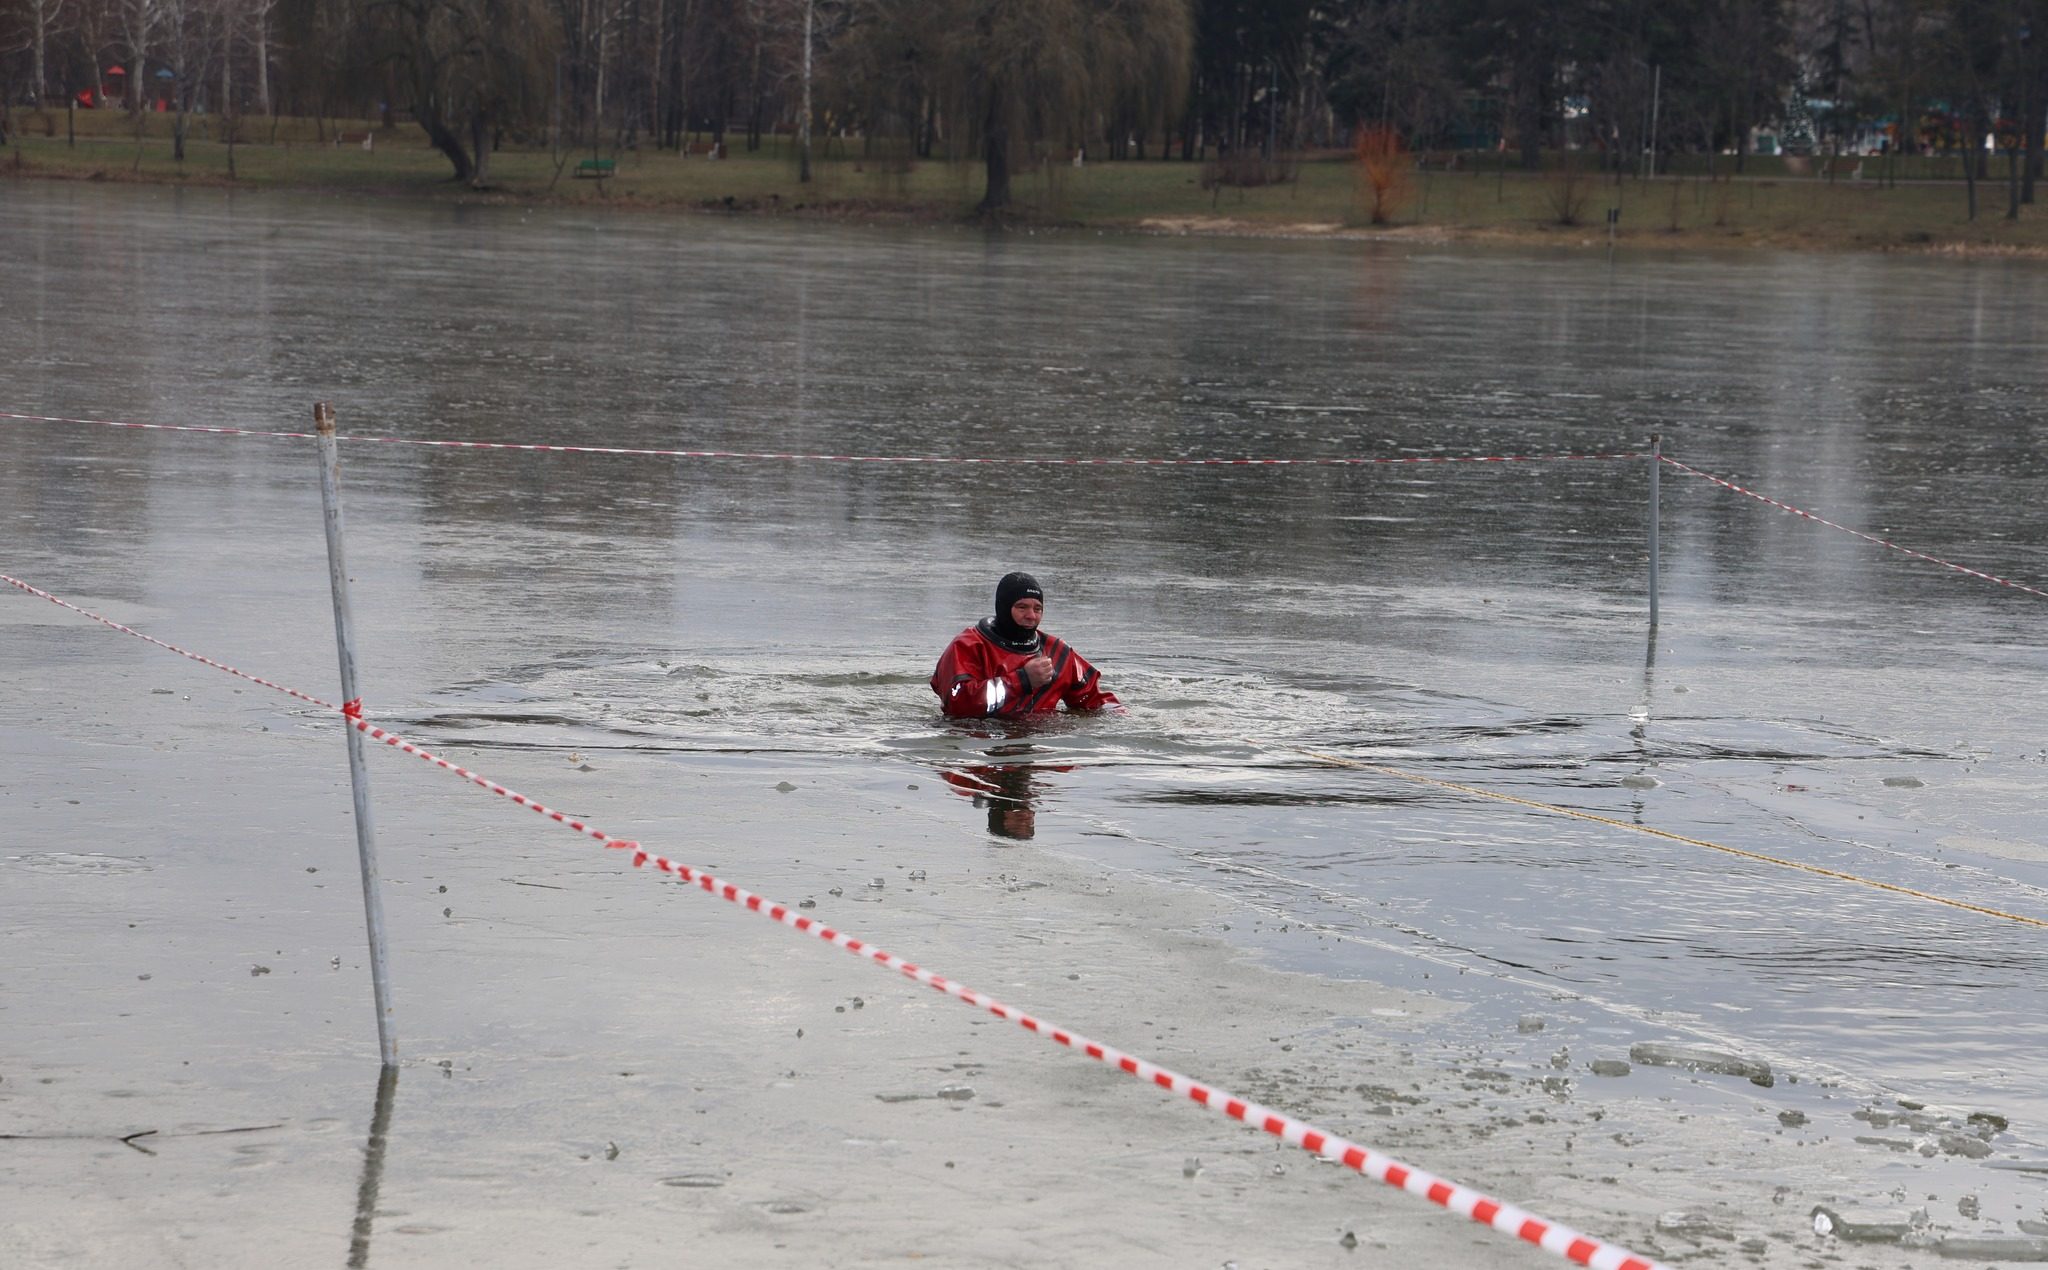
[1005,667]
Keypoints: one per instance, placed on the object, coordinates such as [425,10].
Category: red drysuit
[978,678]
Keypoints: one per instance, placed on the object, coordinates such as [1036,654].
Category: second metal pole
[1656,474]
[358,775]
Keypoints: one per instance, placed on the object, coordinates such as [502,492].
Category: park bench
[596,169]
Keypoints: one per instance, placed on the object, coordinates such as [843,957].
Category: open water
[1808,697]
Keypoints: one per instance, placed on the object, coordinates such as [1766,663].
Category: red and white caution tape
[157,427]
[1016,460]
[1560,1240]
[983,461]
[1882,542]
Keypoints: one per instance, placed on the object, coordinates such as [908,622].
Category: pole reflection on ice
[373,1170]
[1639,727]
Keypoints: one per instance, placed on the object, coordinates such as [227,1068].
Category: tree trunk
[597,92]
[263,60]
[754,100]
[1240,105]
[1970,173]
[996,147]
[1907,136]
[654,77]
[450,145]
[682,106]
[1530,75]
[555,120]
[227,85]
[803,173]
[2036,124]
[1739,125]
[721,101]
[480,145]
[136,30]
[40,35]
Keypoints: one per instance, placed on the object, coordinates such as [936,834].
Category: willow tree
[1007,76]
[1025,72]
[879,71]
[1147,59]
[467,69]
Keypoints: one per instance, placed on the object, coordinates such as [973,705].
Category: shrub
[1385,172]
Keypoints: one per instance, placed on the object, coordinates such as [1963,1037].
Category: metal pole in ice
[358,776]
[1656,472]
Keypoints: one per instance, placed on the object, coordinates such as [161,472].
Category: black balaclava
[1014,587]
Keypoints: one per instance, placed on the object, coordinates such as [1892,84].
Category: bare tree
[257,15]
[42,21]
[1023,72]
[136,23]
[189,44]
[803,175]
[233,13]
[89,22]
[576,71]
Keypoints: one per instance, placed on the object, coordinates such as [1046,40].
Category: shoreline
[842,208]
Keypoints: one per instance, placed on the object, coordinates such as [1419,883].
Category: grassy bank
[1482,200]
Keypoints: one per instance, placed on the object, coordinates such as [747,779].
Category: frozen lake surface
[663,644]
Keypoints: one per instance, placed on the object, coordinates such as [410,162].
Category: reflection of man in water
[1004,666]
[1007,792]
